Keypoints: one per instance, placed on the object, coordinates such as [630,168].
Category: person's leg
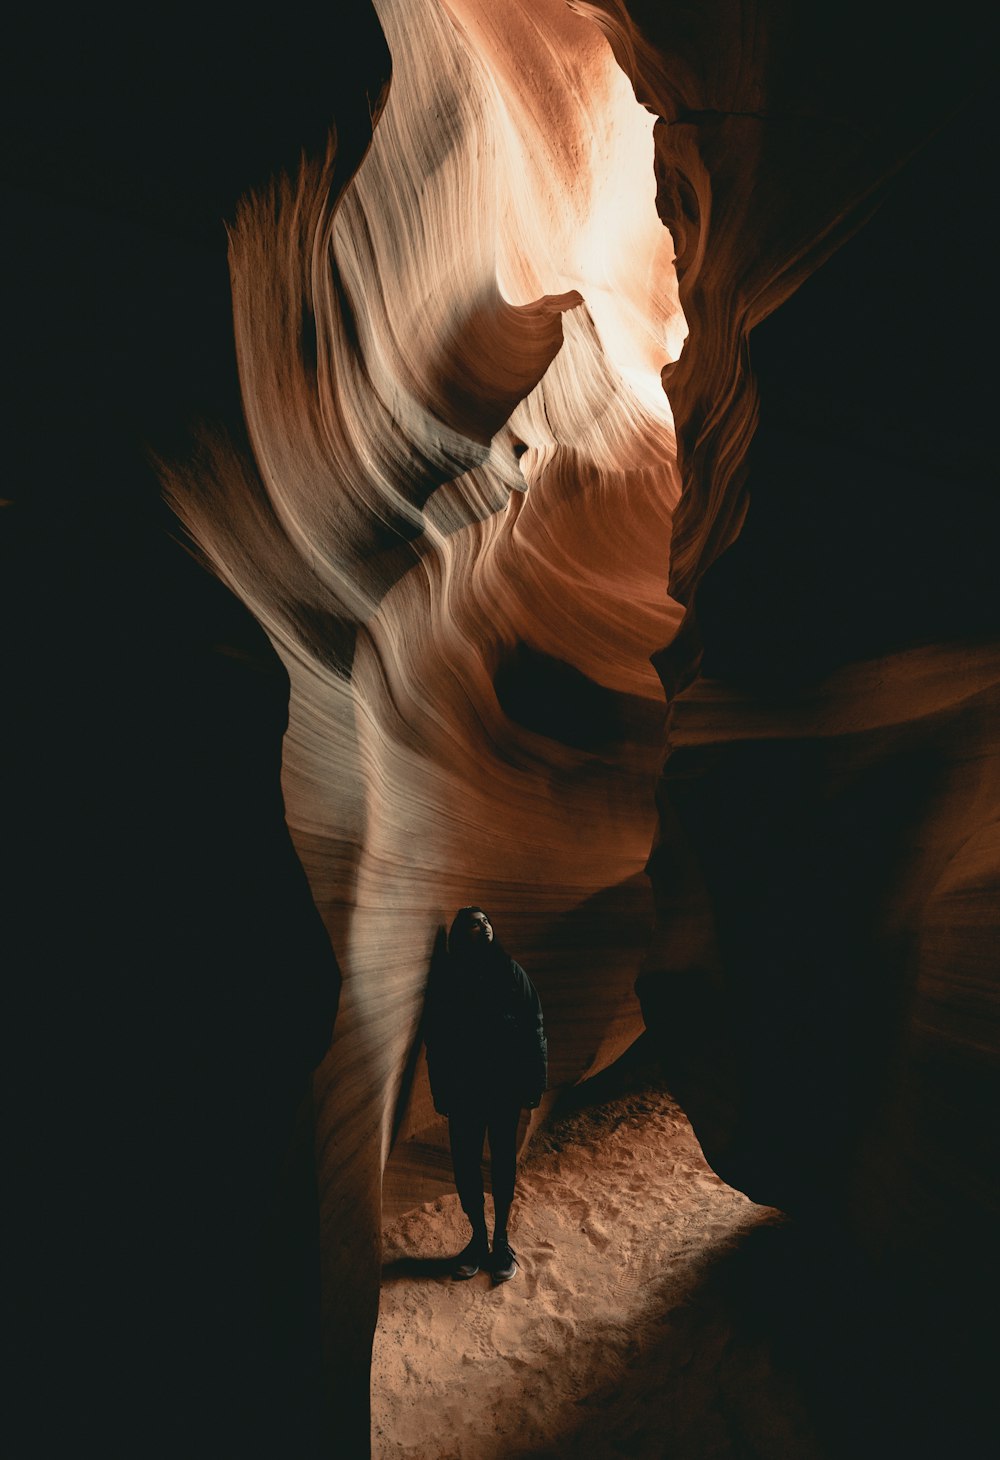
[502,1126]
[466,1132]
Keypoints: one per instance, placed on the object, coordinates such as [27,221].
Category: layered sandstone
[583,400]
[466,532]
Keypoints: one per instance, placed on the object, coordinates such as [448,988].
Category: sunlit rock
[456,531]
[829,751]
[461,519]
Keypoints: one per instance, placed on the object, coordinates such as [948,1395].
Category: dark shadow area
[170,985]
[554,699]
[869,1361]
[800,846]
[874,499]
[418,1267]
[860,1368]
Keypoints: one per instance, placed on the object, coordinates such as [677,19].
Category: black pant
[467,1127]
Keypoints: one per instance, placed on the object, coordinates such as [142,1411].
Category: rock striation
[593,425]
[830,781]
[470,517]
[453,521]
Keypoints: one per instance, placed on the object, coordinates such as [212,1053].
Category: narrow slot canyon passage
[536,455]
[656,1312]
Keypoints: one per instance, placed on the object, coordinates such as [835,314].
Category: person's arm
[437,1041]
[534,1045]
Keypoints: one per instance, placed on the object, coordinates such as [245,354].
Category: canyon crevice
[564,484]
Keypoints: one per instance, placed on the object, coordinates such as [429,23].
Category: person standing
[487,1060]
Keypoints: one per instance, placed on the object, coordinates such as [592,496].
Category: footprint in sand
[597,1235]
[549,1333]
[542,1253]
[551,1290]
[567,1202]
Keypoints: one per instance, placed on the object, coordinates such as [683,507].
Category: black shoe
[503,1264]
[471,1259]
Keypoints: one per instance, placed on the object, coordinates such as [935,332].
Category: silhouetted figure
[487,1059]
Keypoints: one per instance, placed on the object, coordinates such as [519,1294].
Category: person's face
[478,929]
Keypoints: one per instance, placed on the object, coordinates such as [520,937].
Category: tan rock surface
[460,518]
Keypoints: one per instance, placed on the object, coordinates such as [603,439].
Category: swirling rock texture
[458,542]
[485,486]
[473,473]
[829,795]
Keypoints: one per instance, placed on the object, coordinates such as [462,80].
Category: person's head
[471,931]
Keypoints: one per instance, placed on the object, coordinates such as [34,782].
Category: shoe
[503,1263]
[470,1260]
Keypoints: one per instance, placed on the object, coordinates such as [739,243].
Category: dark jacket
[485,1040]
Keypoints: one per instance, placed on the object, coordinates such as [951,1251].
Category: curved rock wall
[821,968]
[829,749]
[448,484]
[455,528]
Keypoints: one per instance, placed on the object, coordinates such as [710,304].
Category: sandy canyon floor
[656,1313]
